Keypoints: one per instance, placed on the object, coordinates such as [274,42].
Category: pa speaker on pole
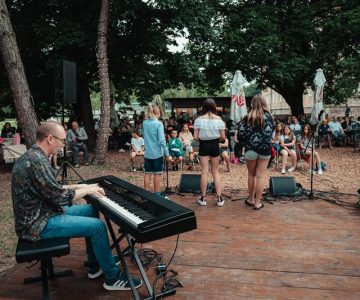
[282,186]
[65,81]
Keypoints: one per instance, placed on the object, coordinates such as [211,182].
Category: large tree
[17,79]
[280,44]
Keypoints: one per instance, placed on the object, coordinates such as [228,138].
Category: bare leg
[261,169]
[157,182]
[215,173]
[147,181]
[204,163]
[251,166]
[284,154]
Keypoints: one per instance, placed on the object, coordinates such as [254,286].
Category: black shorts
[209,148]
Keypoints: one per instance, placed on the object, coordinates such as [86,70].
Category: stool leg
[44,279]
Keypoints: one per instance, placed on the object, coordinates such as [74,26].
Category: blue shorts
[153,166]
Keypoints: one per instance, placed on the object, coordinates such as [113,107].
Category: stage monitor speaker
[65,81]
[282,186]
[189,183]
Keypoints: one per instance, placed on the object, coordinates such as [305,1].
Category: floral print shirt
[36,194]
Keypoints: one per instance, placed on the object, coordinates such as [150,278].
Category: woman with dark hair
[7,131]
[257,129]
[209,129]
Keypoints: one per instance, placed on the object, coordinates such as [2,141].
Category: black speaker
[189,183]
[65,81]
[282,186]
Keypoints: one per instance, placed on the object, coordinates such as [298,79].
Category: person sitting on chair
[77,136]
[306,147]
[224,154]
[7,131]
[325,133]
[287,142]
[176,150]
[137,147]
[45,209]
[337,130]
[187,138]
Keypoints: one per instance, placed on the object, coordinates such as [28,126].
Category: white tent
[238,103]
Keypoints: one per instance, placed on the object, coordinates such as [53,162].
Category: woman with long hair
[155,147]
[287,143]
[257,130]
[306,148]
[209,129]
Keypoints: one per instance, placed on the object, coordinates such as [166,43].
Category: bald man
[43,208]
[77,136]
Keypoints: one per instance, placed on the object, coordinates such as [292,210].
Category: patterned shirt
[36,194]
[257,139]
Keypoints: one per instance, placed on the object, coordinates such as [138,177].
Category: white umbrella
[238,103]
[318,108]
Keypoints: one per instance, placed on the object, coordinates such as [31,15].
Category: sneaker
[122,284]
[202,201]
[77,166]
[87,163]
[133,169]
[121,150]
[320,172]
[220,201]
[292,169]
[96,271]
[242,160]
[283,171]
[127,144]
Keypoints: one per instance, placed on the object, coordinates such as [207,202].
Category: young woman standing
[155,147]
[209,128]
[257,129]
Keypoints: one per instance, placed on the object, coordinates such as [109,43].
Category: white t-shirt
[137,143]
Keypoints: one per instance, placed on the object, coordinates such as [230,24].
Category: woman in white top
[209,128]
[187,138]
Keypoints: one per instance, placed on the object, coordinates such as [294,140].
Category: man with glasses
[43,209]
[77,136]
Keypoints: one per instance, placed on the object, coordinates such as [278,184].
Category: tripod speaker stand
[64,169]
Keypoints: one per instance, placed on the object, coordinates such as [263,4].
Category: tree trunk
[17,79]
[294,98]
[104,130]
[84,112]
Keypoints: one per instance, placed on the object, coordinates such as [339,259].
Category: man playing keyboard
[43,208]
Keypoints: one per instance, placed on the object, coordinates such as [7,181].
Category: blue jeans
[83,221]
[76,148]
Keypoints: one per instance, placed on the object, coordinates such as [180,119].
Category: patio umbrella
[238,103]
[318,108]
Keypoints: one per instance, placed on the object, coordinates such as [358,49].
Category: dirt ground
[341,176]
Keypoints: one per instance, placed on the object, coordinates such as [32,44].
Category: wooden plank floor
[289,250]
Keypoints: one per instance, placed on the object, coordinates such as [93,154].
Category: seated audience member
[239,148]
[324,133]
[137,147]
[190,124]
[175,149]
[296,128]
[77,136]
[187,138]
[224,154]
[276,139]
[306,148]
[287,142]
[45,209]
[347,128]
[336,130]
[7,131]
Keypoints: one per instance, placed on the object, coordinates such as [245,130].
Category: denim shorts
[252,155]
[153,166]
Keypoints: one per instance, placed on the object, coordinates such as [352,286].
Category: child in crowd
[287,142]
[306,147]
[137,147]
[224,154]
[155,145]
[175,149]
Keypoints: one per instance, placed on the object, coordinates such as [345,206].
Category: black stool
[43,250]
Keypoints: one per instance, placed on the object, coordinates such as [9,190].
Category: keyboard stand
[131,249]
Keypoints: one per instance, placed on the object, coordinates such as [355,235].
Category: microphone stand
[168,190]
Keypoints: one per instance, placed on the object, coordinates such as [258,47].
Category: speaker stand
[168,191]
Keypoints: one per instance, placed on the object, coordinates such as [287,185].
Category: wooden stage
[289,250]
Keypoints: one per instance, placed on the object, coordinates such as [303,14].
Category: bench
[43,251]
